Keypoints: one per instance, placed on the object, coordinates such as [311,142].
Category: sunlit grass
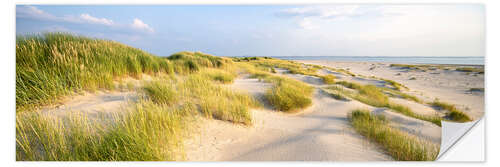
[453,114]
[161,93]
[328,79]
[219,75]
[53,65]
[286,94]
[471,69]
[145,132]
[289,95]
[400,145]
[374,96]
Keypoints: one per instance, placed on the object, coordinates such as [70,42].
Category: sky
[271,30]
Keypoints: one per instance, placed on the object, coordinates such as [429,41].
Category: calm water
[402,60]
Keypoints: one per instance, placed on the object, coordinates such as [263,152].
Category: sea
[391,59]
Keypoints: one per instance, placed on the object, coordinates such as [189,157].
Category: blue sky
[272,30]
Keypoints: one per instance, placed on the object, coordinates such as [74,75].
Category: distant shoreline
[460,61]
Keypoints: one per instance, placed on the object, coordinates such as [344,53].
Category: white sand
[320,132]
[323,133]
[94,105]
[448,86]
[422,129]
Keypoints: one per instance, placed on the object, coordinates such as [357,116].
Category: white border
[461,151]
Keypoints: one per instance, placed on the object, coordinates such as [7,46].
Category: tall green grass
[52,65]
[286,94]
[401,146]
[289,95]
[453,114]
[402,95]
[151,130]
[161,93]
[216,101]
[145,132]
[479,70]
[328,79]
[292,66]
[374,96]
[398,86]
[222,76]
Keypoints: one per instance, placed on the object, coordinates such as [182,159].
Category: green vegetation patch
[471,69]
[398,86]
[162,93]
[289,95]
[476,89]
[216,101]
[402,95]
[286,94]
[337,95]
[219,75]
[453,114]
[374,96]
[145,132]
[53,65]
[400,145]
[328,79]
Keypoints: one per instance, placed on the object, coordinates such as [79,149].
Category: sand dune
[94,105]
[320,132]
[446,85]
[422,129]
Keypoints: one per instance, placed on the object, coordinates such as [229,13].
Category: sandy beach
[446,85]
[322,131]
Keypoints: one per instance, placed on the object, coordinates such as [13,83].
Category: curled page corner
[451,133]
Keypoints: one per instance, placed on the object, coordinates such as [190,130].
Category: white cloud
[324,11]
[311,17]
[33,12]
[88,18]
[140,25]
[307,24]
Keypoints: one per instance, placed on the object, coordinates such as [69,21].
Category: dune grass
[145,132]
[289,95]
[340,70]
[337,95]
[161,93]
[401,146]
[400,94]
[53,65]
[453,114]
[476,90]
[328,79]
[398,86]
[471,69]
[286,94]
[216,101]
[408,112]
[374,96]
[151,130]
[271,63]
[222,76]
